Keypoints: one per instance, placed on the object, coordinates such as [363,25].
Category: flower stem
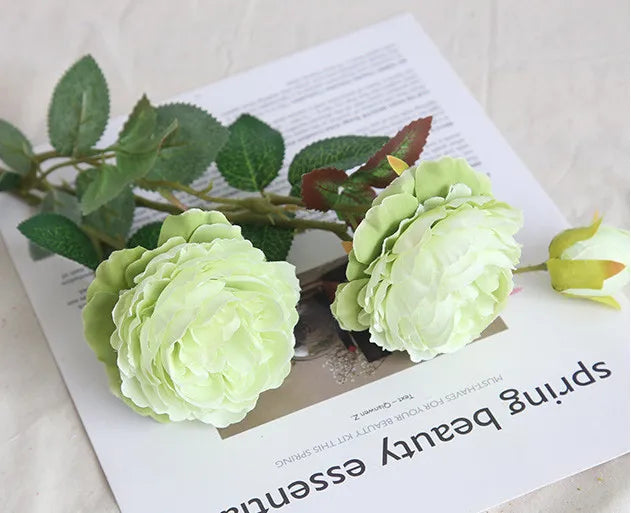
[338,229]
[530,268]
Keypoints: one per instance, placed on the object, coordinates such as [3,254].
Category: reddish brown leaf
[320,187]
[329,189]
[406,145]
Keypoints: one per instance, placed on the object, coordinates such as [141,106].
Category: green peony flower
[196,328]
[591,262]
[431,262]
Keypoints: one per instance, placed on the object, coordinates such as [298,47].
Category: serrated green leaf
[187,152]
[146,236]
[138,132]
[60,235]
[79,109]
[274,241]
[342,153]
[139,142]
[253,155]
[114,218]
[15,149]
[9,181]
[58,202]
[106,183]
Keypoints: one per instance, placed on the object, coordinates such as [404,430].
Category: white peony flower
[431,264]
[196,328]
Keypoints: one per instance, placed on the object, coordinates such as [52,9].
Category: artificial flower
[196,328]
[431,264]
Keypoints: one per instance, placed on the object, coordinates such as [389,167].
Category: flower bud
[591,262]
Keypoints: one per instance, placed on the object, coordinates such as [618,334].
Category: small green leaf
[107,183]
[253,155]
[9,181]
[274,241]
[136,165]
[188,150]
[341,153]
[60,235]
[79,109]
[138,132]
[15,149]
[146,236]
[114,218]
[139,141]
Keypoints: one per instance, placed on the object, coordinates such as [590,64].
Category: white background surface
[553,75]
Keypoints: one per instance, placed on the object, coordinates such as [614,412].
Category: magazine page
[542,394]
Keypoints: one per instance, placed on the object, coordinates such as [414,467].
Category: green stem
[28,197]
[156,205]
[45,155]
[277,199]
[529,268]
[338,229]
[165,184]
[92,160]
[110,241]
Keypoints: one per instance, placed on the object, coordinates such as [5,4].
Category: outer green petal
[139,265]
[113,376]
[98,325]
[345,308]
[567,238]
[434,178]
[401,184]
[101,297]
[183,225]
[581,274]
[380,221]
[210,232]
[354,269]
[110,274]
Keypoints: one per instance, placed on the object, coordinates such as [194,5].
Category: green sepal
[605,300]
[581,274]
[567,238]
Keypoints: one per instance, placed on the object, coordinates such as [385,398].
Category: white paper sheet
[372,82]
